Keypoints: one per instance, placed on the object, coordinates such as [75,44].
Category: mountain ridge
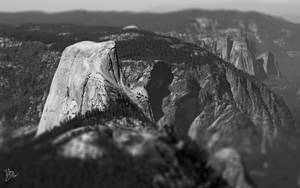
[201,97]
[15,15]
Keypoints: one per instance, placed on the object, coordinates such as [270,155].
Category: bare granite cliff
[88,77]
[239,50]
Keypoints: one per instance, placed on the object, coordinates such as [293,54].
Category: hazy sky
[270,6]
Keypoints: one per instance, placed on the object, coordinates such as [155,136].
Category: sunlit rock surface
[88,77]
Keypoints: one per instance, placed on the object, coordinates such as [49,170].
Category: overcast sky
[269,6]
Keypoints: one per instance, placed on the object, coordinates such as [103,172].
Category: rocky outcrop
[241,56]
[269,64]
[88,78]
[233,48]
[239,52]
[152,78]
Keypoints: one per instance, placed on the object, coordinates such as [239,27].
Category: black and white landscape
[191,98]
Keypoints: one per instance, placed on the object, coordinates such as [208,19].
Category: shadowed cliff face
[157,87]
[240,51]
[182,106]
[269,63]
[150,80]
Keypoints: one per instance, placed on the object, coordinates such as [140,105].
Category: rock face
[233,48]
[269,64]
[152,78]
[238,51]
[241,57]
[88,77]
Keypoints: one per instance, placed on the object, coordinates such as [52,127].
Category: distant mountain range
[111,18]
[289,11]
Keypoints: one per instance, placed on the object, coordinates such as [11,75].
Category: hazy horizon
[282,6]
[288,9]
